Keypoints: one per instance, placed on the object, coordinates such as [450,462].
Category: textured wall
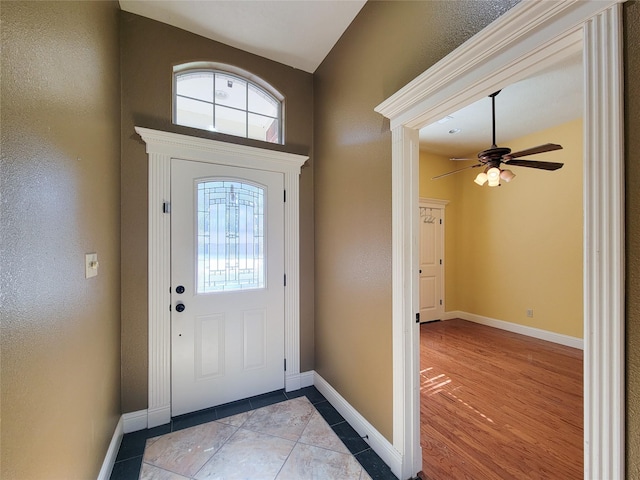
[149,50]
[632,148]
[60,184]
[386,46]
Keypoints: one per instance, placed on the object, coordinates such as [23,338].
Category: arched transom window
[226,102]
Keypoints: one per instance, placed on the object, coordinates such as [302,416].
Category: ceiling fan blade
[535,164]
[456,159]
[547,147]
[456,171]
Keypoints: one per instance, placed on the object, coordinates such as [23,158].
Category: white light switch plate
[90,265]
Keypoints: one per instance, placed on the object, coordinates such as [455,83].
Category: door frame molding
[161,147]
[435,204]
[528,37]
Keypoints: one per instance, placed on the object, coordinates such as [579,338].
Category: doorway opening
[514,46]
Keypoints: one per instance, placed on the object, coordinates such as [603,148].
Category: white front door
[431,263]
[227,284]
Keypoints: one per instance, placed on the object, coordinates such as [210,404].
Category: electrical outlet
[530,312]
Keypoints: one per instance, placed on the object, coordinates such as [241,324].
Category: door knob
[180,307]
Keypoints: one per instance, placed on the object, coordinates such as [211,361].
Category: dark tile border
[129,459]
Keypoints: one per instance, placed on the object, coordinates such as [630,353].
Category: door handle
[180,307]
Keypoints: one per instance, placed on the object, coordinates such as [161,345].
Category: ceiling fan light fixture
[481,179]
[507,175]
[493,176]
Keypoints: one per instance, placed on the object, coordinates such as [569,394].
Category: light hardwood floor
[498,405]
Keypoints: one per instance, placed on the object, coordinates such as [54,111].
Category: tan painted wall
[386,46]
[149,51]
[60,185]
[518,246]
[632,158]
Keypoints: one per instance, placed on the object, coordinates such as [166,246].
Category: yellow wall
[446,188]
[518,246]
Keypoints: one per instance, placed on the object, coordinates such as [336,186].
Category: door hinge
[169,307]
[440,221]
[285,279]
[285,364]
[440,302]
[440,261]
[418,317]
[166,207]
[285,195]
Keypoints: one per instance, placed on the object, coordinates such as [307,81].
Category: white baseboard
[297,381]
[307,379]
[376,440]
[112,452]
[135,421]
[516,328]
[158,416]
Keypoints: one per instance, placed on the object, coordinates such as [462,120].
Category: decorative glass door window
[230,254]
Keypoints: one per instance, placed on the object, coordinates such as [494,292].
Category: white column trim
[604,400]
[161,147]
[529,37]
[405,298]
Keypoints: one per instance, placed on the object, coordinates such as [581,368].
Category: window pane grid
[261,112]
[230,236]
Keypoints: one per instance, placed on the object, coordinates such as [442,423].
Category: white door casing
[524,40]
[431,269]
[227,287]
[161,147]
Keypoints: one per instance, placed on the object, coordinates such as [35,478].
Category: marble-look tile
[236,420]
[247,455]
[286,420]
[329,413]
[364,475]
[376,468]
[352,440]
[149,472]
[126,469]
[318,433]
[308,462]
[186,451]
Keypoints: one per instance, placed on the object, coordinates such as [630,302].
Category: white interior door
[431,262]
[227,278]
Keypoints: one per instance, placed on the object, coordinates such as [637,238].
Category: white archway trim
[161,147]
[524,40]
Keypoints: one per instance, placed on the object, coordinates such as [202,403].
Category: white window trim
[525,39]
[161,147]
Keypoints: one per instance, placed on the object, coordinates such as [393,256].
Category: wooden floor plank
[498,405]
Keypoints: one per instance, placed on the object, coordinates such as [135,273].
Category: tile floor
[276,436]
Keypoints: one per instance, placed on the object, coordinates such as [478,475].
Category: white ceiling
[551,97]
[298,33]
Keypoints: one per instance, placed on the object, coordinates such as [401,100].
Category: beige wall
[60,184]
[386,46]
[632,158]
[149,51]
[518,246]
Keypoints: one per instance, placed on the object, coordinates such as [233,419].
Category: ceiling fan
[494,156]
